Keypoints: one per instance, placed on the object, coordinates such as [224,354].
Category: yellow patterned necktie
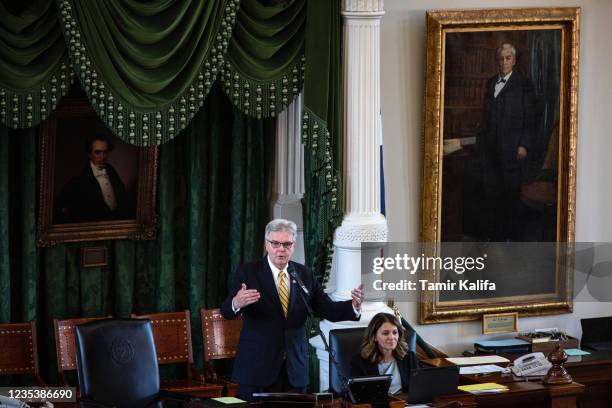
[283,291]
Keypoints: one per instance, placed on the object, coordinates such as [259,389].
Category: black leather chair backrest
[345,344]
[117,363]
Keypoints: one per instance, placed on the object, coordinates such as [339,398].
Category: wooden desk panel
[522,393]
[594,371]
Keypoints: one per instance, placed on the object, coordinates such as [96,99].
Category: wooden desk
[594,371]
[521,393]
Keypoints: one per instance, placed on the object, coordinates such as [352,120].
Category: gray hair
[506,46]
[281,225]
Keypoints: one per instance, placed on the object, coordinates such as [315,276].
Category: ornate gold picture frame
[499,160]
[71,206]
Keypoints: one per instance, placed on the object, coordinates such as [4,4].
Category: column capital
[371,7]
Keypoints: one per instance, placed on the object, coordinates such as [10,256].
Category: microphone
[296,279]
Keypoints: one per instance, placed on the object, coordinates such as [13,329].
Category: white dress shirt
[501,82]
[275,275]
[105,185]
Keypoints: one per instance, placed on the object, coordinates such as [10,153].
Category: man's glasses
[276,244]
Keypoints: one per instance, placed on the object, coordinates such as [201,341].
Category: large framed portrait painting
[93,186]
[500,150]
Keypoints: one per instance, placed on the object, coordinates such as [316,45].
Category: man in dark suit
[97,193]
[503,144]
[273,349]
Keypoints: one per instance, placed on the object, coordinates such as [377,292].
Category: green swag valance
[34,67]
[148,66]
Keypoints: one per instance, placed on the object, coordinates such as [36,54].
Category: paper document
[576,352]
[228,400]
[481,369]
[477,360]
[482,388]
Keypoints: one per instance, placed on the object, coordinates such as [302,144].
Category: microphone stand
[305,296]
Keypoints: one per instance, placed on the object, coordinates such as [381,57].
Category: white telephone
[12,403]
[531,364]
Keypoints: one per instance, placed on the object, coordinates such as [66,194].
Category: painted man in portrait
[97,193]
[503,145]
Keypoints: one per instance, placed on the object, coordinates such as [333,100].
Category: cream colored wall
[402,72]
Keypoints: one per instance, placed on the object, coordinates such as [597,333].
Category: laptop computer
[372,390]
[429,382]
[596,333]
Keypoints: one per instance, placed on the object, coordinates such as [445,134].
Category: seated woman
[384,350]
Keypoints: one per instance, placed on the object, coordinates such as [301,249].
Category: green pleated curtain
[148,70]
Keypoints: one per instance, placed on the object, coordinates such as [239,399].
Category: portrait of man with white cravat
[97,193]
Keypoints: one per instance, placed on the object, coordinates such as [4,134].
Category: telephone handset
[531,364]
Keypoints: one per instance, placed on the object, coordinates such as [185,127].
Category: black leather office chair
[117,364]
[346,343]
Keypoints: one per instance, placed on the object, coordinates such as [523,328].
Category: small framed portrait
[93,186]
[500,151]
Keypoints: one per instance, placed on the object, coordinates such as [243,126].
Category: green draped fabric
[322,133]
[264,65]
[213,198]
[147,67]
[34,73]
[19,269]
[5,266]
[147,78]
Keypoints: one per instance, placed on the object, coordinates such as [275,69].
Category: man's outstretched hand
[245,297]
[357,296]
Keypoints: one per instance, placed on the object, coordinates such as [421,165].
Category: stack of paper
[477,360]
[481,369]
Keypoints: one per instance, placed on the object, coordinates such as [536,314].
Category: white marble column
[289,186]
[363,221]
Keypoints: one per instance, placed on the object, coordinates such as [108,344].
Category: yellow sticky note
[482,387]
